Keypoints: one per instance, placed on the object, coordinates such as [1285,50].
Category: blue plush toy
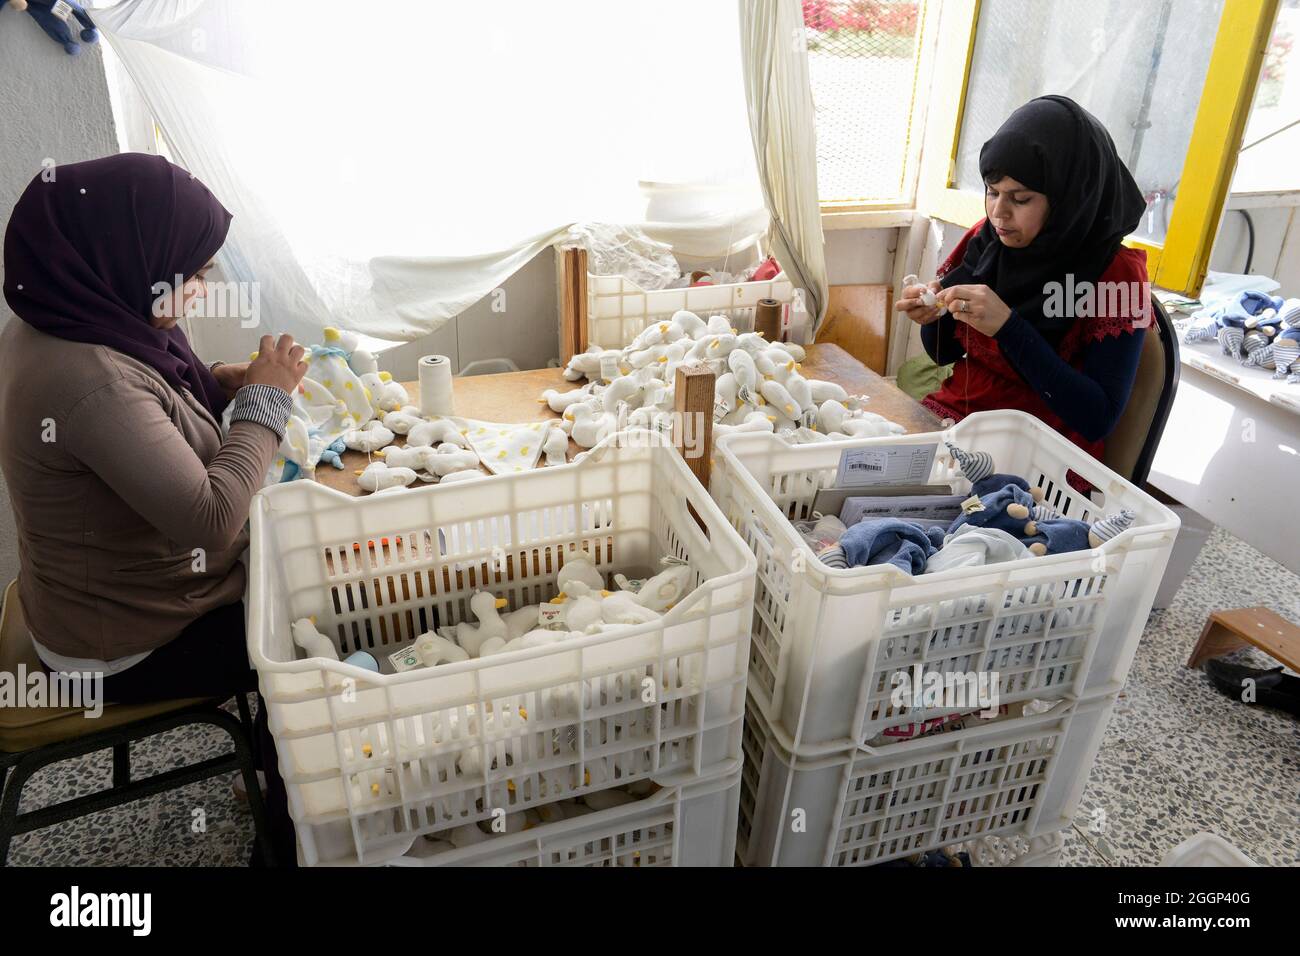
[1068,534]
[53,16]
[331,453]
[1011,509]
[904,544]
[1231,322]
[1286,355]
[977,468]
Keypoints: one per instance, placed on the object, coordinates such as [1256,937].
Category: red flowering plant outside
[860,27]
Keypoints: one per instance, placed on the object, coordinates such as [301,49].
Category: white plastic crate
[371,760]
[827,643]
[688,825]
[997,851]
[1206,849]
[618,309]
[1022,776]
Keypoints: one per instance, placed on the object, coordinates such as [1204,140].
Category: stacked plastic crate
[618,748]
[829,779]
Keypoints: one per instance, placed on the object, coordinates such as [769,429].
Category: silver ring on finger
[963,305]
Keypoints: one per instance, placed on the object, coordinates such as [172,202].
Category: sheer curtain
[389,165]
[782,121]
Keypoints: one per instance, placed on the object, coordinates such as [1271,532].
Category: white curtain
[390,164]
[782,122]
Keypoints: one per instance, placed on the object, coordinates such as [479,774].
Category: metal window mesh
[862,65]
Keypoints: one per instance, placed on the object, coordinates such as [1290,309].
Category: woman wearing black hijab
[130,502]
[1045,309]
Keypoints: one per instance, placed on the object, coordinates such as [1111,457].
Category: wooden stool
[1259,627]
[35,737]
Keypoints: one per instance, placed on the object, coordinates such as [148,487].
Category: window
[1170,79]
[863,67]
[1267,161]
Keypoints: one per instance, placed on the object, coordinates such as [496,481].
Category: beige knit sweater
[130,508]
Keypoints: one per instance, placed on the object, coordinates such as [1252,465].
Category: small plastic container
[827,643]
[370,761]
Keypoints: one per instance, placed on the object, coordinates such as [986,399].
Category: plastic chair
[1131,447]
[35,737]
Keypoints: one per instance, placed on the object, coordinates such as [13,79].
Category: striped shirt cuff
[263,405]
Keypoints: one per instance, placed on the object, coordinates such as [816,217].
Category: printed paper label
[408,658]
[550,615]
[886,465]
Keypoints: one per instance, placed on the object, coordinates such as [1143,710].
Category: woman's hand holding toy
[278,364]
[919,300]
[976,305]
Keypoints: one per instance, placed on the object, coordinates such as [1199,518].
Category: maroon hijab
[84,250]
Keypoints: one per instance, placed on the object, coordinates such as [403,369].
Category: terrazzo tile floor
[1178,758]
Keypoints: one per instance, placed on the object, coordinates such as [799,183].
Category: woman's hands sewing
[914,307]
[277,363]
[230,376]
[976,305]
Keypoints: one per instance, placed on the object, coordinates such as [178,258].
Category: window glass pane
[862,66]
[1138,65]
[1270,165]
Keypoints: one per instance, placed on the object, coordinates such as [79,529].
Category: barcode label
[886,464]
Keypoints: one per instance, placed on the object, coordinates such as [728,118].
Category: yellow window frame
[1179,263]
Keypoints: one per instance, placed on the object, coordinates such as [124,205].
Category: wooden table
[512,397]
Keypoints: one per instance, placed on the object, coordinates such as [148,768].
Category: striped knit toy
[1202,330]
[1259,349]
[1069,534]
[1229,323]
[1286,356]
[1286,347]
[977,468]
[1230,339]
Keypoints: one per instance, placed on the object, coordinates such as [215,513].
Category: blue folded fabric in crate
[905,544]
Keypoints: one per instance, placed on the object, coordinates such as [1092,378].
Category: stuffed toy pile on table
[345,403]
[759,386]
[1257,329]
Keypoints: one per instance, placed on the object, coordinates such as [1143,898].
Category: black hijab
[1054,146]
[85,247]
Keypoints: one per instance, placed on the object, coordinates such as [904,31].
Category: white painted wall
[860,256]
[52,106]
[1277,244]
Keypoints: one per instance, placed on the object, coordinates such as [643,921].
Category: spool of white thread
[435,386]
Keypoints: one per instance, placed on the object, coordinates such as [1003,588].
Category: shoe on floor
[1272,687]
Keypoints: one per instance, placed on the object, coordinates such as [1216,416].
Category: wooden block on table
[573,302]
[857,320]
[693,391]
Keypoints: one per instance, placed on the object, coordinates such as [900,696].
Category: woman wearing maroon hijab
[129,499]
